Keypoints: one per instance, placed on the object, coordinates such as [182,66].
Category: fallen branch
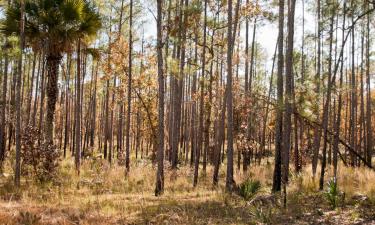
[350,148]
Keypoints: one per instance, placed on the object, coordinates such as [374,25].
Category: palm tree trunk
[53,62]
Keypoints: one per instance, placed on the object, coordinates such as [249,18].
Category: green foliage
[54,24]
[332,193]
[249,188]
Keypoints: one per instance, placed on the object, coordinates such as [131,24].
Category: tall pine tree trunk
[369,145]
[159,189]
[17,175]
[78,110]
[127,144]
[276,186]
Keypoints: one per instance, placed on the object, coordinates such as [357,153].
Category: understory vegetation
[102,195]
[187,112]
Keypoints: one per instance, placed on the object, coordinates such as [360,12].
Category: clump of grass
[249,188]
[263,215]
[28,218]
[8,191]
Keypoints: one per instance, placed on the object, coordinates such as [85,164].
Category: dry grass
[351,181]
[103,195]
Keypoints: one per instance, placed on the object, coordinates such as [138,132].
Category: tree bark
[317,131]
[369,129]
[327,106]
[78,110]
[128,113]
[276,186]
[159,189]
[53,62]
[17,176]
[229,184]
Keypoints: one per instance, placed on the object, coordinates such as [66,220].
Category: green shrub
[249,188]
[332,193]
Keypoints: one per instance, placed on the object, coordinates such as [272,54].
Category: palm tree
[53,26]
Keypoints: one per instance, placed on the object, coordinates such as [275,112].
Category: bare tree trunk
[67,106]
[317,131]
[327,106]
[38,80]
[362,122]
[288,97]
[250,130]
[121,104]
[127,144]
[30,95]
[246,152]
[276,186]
[17,176]
[353,98]
[301,125]
[369,146]
[208,110]
[338,119]
[78,110]
[201,104]
[93,105]
[159,189]
[229,184]
[263,143]
[3,109]
[194,108]
[42,96]
[106,116]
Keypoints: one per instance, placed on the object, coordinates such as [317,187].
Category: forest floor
[102,195]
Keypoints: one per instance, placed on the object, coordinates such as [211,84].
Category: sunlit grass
[102,192]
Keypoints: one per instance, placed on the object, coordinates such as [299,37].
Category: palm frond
[72,10]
